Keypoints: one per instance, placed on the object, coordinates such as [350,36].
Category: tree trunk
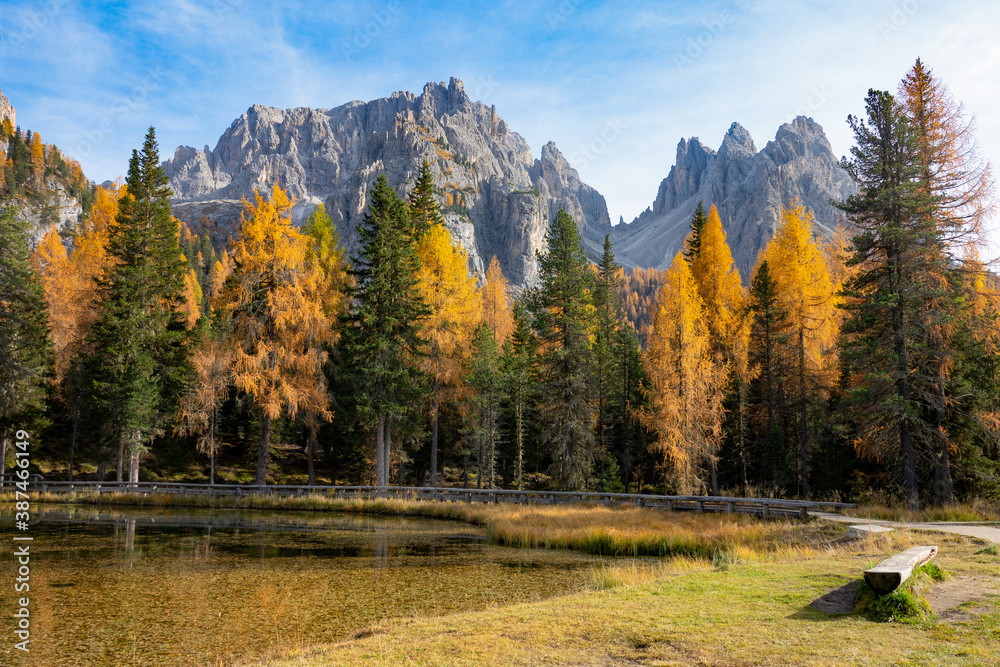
[435,406]
[943,488]
[211,447]
[263,453]
[906,450]
[465,468]
[479,463]
[72,444]
[803,423]
[715,475]
[310,448]
[387,443]
[133,473]
[3,456]
[519,410]
[121,459]
[379,451]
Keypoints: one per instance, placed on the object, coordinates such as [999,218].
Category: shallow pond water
[196,587]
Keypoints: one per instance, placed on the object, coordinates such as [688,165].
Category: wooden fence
[761,507]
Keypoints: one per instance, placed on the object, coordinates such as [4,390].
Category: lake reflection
[190,587]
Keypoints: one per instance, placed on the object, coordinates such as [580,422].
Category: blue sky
[615,85]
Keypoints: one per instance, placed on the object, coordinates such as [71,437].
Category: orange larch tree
[687,381]
[724,300]
[498,308]
[449,289]
[274,317]
[806,294]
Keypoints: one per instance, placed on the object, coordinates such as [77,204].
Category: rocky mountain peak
[497,199]
[737,144]
[749,189]
[7,110]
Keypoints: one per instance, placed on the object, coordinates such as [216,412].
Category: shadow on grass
[828,607]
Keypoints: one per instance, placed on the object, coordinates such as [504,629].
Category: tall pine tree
[25,347]
[562,315]
[138,350]
[886,298]
[380,335]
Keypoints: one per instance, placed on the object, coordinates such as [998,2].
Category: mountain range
[496,197]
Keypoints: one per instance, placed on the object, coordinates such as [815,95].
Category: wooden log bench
[888,575]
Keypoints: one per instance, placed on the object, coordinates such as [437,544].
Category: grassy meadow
[691,590]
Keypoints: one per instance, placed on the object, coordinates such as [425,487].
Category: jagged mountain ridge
[53,202]
[749,189]
[496,198]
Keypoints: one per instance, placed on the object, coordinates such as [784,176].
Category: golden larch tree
[69,278]
[198,408]
[687,383]
[325,257]
[724,301]
[806,293]
[275,319]
[498,310]
[191,304]
[449,289]
[718,280]
[37,149]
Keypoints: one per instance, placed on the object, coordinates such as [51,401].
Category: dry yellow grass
[752,614]
[606,531]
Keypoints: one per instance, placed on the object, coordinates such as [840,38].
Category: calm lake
[193,587]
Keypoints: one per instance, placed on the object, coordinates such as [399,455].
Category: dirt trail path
[983,529]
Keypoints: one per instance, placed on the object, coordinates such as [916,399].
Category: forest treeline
[850,366]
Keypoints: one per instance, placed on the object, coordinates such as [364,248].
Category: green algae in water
[206,587]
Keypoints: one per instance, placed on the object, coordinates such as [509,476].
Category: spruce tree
[26,358]
[381,334]
[770,332]
[486,380]
[562,314]
[423,208]
[518,361]
[887,297]
[692,244]
[606,384]
[139,352]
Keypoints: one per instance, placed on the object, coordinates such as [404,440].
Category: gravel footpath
[982,529]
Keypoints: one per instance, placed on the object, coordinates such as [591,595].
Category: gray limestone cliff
[748,187]
[7,110]
[497,199]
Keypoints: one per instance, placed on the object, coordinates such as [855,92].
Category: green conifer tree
[25,346]
[562,315]
[139,351]
[692,245]
[380,340]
